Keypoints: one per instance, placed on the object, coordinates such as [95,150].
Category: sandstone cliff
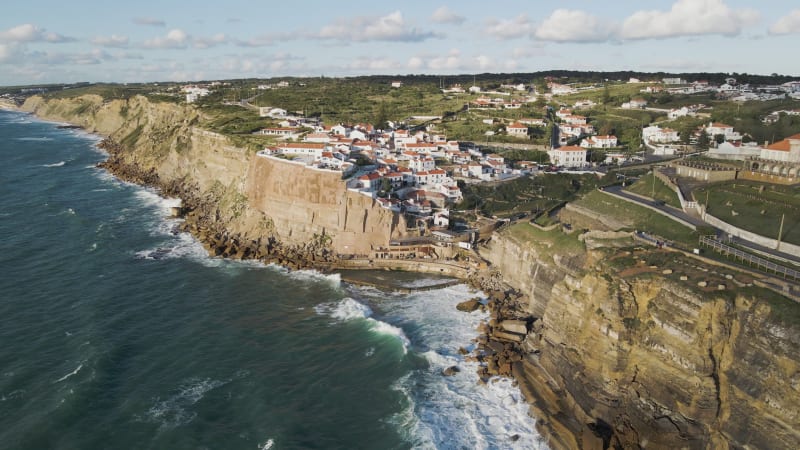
[649,361]
[254,197]
[614,361]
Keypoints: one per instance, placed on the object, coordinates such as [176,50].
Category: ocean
[118,332]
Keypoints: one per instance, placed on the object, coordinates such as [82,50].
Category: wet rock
[450,371]
[468,305]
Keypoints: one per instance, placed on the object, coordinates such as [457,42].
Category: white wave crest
[36,139]
[74,372]
[305,275]
[58,164]
[350,309]
[267,445]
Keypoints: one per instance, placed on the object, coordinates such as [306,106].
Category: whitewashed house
[569,156]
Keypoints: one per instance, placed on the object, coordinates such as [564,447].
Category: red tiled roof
[303,145]
[783,146]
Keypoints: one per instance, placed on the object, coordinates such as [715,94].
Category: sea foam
[453,411]
[176,410]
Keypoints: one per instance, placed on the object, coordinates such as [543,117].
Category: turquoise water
[116,332]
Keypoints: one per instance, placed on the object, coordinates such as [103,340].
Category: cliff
[606,358]
[645,360]
[251,197]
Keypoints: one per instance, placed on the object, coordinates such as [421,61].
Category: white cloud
[373,64]
[445,15]
[528,51]
[788,24]
[213,41]
[415,62]
[149,21]
[31,33]
[176,38]
[110,41]
[266,40]
[391,27]
[688,18]
[7,52]
[508,29]
[565,25]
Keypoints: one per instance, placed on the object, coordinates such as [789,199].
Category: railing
[760,263]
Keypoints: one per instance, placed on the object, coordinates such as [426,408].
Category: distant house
[269,111]
[303,148]
[716,128]
[657,135]
[517,129]
[370,181]
[575,120]
[532,122]
[635,103]
[397,84]
[569,156]
[680,112]
[787,150]
[284,132]
[607,141]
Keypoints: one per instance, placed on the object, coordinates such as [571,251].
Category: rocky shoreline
[504,340]
[201,219]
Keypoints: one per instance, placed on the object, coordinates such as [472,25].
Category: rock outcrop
[610,361]
[606,361]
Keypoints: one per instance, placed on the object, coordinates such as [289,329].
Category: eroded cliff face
[253,196]
[647,362]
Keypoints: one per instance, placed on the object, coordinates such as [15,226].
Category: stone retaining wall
[785,247]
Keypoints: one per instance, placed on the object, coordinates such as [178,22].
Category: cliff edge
[249,196]
[637,356]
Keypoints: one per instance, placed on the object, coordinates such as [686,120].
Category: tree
[606,99]
[719,138]
[381,117]
[703,141]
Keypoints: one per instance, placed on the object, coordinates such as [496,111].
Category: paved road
[675,212]
[618,190]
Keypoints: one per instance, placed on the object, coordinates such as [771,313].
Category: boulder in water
[469,305]
[450,371]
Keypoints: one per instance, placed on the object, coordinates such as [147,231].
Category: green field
[756,209]
[640,218]
[644,186]
[548,243]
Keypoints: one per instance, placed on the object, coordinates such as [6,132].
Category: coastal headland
[607,358]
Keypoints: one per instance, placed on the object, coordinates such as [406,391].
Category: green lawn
[639,217]
[644,186]
[747,206]
[547,243]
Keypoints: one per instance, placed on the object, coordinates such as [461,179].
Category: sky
[106,41]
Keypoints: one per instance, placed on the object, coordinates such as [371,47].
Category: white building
[607,141]
[716,128]
[517,129]
[194,92]
[680,112]
[657,135]
[787,150]
[312,149]
[569,156]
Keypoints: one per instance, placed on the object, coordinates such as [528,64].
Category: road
[677,213]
